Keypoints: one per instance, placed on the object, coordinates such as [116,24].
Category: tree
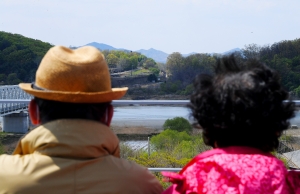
[174,63]
[252,51]
[2,79]
[178,124]
[149,63]
[112,60]
[155,71]
[12,79]
[152,78]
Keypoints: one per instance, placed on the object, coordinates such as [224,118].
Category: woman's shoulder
[222,168]
[293,180]
[235,157]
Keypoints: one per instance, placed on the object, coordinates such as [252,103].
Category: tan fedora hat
[78,76]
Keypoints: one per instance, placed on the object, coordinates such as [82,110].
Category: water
[147,116]
[149,112]
[156,115]
[137,145]
[296,119]
[153,116]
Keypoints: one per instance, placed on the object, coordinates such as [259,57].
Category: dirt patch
[128,133]
[134,130]
[292,132]
[9,142]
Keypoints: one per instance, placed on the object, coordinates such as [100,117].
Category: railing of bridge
[13,92]
[178,169]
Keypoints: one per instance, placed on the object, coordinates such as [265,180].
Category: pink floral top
[234,170]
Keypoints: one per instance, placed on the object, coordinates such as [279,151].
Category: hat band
[34,86]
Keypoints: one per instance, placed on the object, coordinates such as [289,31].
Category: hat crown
[80,70]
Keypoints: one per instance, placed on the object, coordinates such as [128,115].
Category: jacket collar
[70,138]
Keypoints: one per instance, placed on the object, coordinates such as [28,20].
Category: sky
[185,26]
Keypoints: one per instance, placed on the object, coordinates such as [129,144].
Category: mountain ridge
[157,55]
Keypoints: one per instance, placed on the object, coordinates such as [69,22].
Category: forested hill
[19,57]
[283,56]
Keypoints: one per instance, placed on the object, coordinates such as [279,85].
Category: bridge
[13,100]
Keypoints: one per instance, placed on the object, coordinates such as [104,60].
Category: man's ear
[34,112]
[110,113]
[107,116]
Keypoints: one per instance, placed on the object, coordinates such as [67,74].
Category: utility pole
[131,64]
[148,146]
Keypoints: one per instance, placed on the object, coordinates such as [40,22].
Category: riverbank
[124,133]
[129,133]
[132,131]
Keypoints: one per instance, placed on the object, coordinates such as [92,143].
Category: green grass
[140,71]
[2,135]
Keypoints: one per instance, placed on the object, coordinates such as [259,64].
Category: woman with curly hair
[243,111]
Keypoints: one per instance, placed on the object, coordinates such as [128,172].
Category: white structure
[12,110]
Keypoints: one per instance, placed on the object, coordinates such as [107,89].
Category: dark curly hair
[241,105]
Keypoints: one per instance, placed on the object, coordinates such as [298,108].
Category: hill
[158,56]
[19,57]
[102,46]
[232,51]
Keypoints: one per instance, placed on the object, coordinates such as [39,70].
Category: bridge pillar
[15,123]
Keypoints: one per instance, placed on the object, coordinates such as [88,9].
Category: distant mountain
[232,51]
[157,55]
[102,46]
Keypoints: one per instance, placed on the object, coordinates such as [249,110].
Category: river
[148,116]
[156,115]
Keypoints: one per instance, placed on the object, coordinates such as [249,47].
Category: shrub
[152,77]
[168,139]
[178,124]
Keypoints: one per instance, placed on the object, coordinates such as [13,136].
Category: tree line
[283,56]
[127,60]
[20,57]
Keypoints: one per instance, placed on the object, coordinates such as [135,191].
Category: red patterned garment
[234,170]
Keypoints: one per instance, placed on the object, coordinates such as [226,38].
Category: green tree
[149,63]
[168,139]
[155,71]
[252,51]
[12,79]
[152,78]
[174,63]
[178,124]
[3,78]
[112,60]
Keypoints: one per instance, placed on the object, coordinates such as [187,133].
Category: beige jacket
[72,156]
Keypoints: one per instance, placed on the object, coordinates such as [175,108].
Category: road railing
[129,102]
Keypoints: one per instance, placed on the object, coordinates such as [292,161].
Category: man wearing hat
[73,150]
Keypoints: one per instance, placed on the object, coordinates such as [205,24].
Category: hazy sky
[183,26]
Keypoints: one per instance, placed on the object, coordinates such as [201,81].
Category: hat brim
[75,97]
